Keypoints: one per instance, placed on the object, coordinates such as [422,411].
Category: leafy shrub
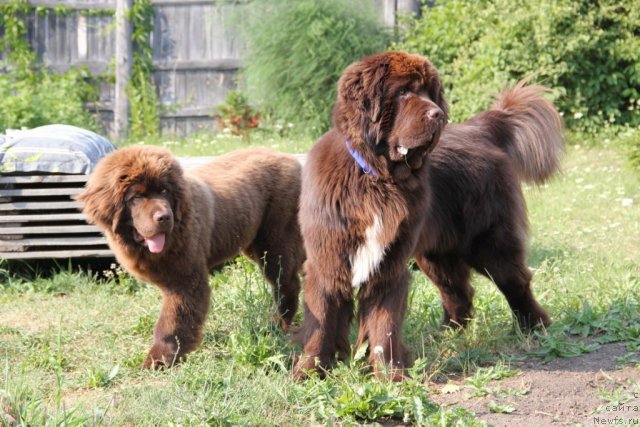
[237,115]
[588,51]
[296,52]
[141,90]
[30,95]
[45,99]
[630,139]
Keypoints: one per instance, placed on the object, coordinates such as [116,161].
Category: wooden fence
[196,44]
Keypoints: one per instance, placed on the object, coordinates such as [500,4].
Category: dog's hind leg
[502,258]
[450,274]
[281,266]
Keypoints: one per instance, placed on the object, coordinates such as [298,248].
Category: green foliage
[350,397]
[296,52]
[13,41]
[497,408]
[256,337]
[143,99]
[30,95]
[587,51]
[630,139]
[479,382]
[45,98]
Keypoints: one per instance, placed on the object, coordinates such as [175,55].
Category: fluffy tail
[537,142]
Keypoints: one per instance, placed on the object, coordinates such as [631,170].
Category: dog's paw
[161,356]
[306,367]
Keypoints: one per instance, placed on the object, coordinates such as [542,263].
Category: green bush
[45,99]
[30,95]
[586,50]
[296,52]
[141,90]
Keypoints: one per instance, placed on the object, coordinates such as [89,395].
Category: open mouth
[421,143]
[155,243]
[423,147]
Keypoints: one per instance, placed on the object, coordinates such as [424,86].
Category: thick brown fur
[448,196]
[246,200]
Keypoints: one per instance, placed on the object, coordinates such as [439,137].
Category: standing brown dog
[170,228]
[376,190]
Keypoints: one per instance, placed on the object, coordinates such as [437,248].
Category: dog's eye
[404,91]
[164,191]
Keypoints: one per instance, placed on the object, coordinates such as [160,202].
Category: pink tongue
[156,243]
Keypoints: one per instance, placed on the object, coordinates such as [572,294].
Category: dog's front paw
[161,356]
[306,366]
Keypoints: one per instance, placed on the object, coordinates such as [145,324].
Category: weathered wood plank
[50,229]
[39,206]
[95,67]
[123,59]
[74,253]
[42,218]
[58,241]
[215,64]
[186,2]
[38,192]
[190,112]
[74,4]
[36,179]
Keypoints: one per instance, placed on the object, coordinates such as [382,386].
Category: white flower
[627,202]
[577,115]
[378,350]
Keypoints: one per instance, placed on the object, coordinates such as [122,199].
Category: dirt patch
[592,389]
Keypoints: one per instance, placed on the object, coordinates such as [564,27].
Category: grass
[70,345]
[279,136]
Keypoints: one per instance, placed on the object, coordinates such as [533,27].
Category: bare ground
[562,392]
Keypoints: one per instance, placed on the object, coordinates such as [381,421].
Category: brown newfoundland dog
[390,182]
[171,228]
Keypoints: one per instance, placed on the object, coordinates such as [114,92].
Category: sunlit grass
[71,345]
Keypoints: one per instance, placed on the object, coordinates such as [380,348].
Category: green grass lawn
[281,137]
[71,346]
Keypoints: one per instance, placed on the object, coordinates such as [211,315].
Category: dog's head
[391,104]
[137,194]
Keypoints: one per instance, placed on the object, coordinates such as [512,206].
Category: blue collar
[359,160]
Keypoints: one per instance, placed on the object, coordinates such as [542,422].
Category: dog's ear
[103,197]
[363,82]
[374,81]
[436,90]
[180,191]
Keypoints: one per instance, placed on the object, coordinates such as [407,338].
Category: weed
[478,383]
[100,377]
[555,345]
[497,408]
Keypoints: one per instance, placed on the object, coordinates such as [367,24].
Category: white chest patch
[368,256]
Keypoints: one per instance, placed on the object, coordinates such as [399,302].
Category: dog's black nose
[435,114]
[161,216]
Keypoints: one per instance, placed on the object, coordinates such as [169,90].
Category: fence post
[123,68]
